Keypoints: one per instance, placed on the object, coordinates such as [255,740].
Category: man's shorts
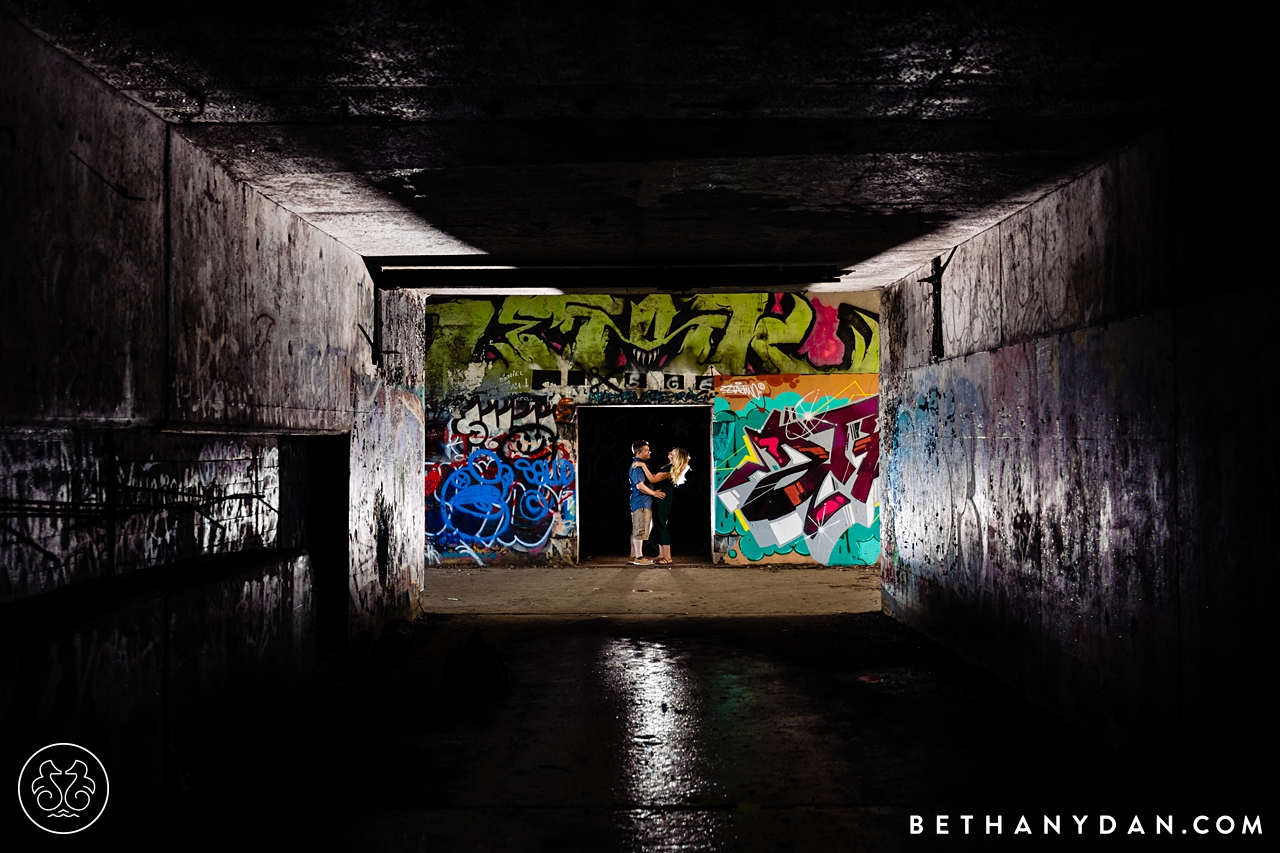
[640,521]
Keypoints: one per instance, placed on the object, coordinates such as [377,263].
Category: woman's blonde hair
[679,465]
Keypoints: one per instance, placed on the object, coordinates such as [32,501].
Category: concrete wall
[166,331]
[266,310]
[790,378]
[273,326]
[158,674]
[82,274]
[1041,503]
[387,458]
[92,504]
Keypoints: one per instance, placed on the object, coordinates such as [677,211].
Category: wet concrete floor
[661,731]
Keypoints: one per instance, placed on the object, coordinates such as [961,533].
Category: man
[641,504]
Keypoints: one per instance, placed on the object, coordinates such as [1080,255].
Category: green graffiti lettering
[606,336]
[778,336]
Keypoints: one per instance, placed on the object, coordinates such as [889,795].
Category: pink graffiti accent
[823,346]
[770,445]
[825,510]
[777,304]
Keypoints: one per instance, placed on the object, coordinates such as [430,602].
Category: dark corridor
[605,434]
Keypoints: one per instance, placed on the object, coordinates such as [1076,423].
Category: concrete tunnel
[327,332]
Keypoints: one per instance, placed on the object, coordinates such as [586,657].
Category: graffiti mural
[797,467]
[570,339]
[792,377]
[505,482]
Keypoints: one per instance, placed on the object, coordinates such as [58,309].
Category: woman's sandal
[661,562]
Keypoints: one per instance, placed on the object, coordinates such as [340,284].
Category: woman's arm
[649,475]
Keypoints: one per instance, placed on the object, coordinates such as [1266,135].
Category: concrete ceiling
[869,137]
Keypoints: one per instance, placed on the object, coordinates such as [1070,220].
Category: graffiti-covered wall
[499,479]
[797,468]
[504,376]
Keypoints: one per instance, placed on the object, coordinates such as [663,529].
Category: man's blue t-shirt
[639,500]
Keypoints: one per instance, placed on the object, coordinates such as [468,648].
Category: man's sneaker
[641,561]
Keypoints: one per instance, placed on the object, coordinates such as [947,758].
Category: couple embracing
[650,504]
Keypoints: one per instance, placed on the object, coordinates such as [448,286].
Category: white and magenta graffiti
[797,466]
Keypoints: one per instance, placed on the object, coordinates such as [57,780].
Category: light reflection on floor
[663,775]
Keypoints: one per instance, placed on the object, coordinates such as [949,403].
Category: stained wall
[1040,428]
[82,184]
[181,354]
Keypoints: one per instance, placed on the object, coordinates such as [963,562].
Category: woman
[675,471]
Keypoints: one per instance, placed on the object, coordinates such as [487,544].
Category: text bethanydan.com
[967,824]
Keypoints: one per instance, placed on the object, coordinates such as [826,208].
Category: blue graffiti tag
[494,500]
[475,498]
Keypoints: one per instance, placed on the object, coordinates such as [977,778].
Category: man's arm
[653,493]
[649,475]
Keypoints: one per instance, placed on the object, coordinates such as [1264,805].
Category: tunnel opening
[605,434]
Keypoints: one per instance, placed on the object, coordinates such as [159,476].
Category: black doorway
[605,434]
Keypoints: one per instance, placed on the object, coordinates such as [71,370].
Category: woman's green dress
[662,509]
